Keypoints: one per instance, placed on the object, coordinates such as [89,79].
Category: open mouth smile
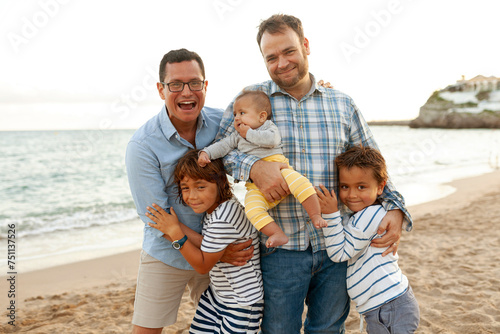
[187,105]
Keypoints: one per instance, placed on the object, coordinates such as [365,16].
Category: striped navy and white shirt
[231,284]
[314,131]
[372,280]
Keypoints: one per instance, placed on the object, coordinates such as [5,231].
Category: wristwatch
[177,244]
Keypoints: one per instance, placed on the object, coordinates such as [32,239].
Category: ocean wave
[81,219]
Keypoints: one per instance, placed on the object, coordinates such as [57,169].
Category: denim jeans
[399,316]
[292,277]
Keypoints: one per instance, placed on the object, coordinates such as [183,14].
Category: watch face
[177,244]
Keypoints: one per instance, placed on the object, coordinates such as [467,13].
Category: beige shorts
[159,292]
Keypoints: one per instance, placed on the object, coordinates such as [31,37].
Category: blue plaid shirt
[314,130]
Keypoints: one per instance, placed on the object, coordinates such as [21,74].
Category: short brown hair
[213,172]
[278,23]
[260,100]
[178,56]
[366,158]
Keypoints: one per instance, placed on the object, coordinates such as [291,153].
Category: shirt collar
[168,128]
[315,87]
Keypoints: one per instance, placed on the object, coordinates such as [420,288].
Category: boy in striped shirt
[233,302]
[375,283]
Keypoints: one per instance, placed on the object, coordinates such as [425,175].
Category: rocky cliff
[453,109]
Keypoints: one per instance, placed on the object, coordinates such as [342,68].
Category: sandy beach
[452,259]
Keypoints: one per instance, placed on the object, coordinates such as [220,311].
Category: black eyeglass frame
[183,84]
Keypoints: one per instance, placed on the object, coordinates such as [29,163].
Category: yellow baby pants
[256,205]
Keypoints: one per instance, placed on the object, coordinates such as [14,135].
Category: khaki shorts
[159,292]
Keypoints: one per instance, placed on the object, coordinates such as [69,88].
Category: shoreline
[466,190]
[80,275]
[438,257]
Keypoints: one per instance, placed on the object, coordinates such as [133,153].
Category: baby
[257,135]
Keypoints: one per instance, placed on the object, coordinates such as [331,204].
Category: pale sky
[78,64]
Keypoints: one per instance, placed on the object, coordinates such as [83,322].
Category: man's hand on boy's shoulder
[392,225]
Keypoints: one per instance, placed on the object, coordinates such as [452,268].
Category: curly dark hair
[366,158]
[213,172]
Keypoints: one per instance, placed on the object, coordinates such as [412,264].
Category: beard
[303,68]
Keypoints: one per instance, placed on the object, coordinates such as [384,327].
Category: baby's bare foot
[277,239]
[319,222]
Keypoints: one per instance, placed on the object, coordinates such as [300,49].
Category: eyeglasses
[179,86]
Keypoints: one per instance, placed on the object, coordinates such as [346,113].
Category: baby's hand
[203,159]
[327,200]
[243,130]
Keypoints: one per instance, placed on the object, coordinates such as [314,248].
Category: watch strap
[177,244]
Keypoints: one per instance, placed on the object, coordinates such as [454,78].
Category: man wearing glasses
[184,123]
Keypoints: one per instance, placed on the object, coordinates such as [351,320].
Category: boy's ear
[263,116]
[380,188]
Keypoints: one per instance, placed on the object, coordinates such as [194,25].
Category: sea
[64,195]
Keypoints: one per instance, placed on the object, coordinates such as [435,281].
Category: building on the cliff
[473,103]
[479,83]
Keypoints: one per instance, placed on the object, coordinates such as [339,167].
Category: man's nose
[282,62]
[186,90]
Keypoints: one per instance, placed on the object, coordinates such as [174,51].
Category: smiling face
[185,106]
[285,57]
[246,112]
[200,195]
[358,188]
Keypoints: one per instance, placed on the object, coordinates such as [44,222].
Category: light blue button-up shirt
[152,154]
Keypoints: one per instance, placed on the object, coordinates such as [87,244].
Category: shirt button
[303,151]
